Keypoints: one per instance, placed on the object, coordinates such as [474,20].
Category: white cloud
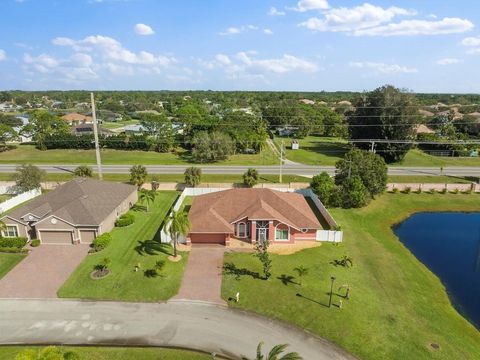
[275,12]
[142,29]
[308,5]
[223,59]
[382,68]
[419,27]
[238,30]
[268,31]
[3,55]
[473,44]
[448,61]
[351,19]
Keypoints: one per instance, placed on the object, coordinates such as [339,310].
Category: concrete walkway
[42,272]
[190,325]
[203,275]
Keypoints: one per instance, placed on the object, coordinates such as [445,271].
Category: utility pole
[95,134]
[372,149]
[282,145]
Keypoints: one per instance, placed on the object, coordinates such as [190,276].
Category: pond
[448,243]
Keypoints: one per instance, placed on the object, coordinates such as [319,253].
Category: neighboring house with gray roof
[75,212]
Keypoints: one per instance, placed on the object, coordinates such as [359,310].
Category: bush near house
[125,220]
[101,242]
[13,242]
[35,243]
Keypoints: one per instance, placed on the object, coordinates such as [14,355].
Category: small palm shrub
[407,190]
[35,243]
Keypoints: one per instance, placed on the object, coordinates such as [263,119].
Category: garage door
[87,236]
[207,238]
[56,237]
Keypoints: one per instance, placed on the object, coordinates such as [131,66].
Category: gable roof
[217,212]
[79,202]
[76,117]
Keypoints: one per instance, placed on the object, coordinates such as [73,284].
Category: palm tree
[301,272]
[147,197]
[83,171]
[193,176]
[180,225]
[276,353]
[138,175]
[250,178]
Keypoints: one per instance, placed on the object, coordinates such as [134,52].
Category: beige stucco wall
[109,222]
[22,229]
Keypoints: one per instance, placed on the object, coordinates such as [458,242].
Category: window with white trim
[281,234]
[242,229]
[10,231]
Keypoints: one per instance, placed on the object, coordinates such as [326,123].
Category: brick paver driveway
[203,276]
[42,272]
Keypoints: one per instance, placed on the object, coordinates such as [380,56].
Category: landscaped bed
[133,253]
[397,309]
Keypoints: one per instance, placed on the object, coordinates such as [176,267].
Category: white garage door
[56,237]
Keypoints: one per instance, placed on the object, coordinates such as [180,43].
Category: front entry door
[262,235]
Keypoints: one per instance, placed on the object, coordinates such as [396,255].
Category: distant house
[251,215]
[286,131]
[307,102]
[77,119]
[87,129]
[424,129]
[135,129]
[75,212]
[295,145]
[23,137]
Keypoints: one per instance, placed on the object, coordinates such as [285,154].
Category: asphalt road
[306,170]
[192,325]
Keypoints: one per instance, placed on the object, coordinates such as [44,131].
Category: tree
[83,171]
[261,252]
[7,133]
[138,175]
[210,147]
[275,353]
[43,124]
[147,197]
[369,167]
[392,115]
[301,272]
[161,128]
[250,177]
[323,186]
[155,182]
[193,176]
[180,225]
[28,177]
[354,193]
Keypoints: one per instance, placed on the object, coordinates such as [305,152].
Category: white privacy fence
[322,235]
[18,199]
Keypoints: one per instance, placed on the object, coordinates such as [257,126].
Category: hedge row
[13,242]
[125,220]
[12,250]
[118,142]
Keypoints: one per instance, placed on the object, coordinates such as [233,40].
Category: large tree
[161,128]
[210,147]
[387,113]
[180,225]
[43,124]
[28,177]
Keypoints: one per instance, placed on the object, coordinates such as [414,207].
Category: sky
[292,45]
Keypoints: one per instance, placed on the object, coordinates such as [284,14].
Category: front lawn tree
[28,177]
[147,197]
[261,252]
[193,176]
[180,225]
[138,175]
[83,171]
[386,113]
[301,272]
[323,186]
[369,167]
[250,177]
[354,193]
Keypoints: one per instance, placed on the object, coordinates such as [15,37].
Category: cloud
[382,68]
[448,61]
[419,27]
[3,55]
[267,31]
[473,44]
[274,12]
[352,19]
[308,5]
[238,30]
[142,29]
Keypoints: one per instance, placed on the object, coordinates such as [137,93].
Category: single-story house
[87,129]
[251,215]
[77,119]
[75,212]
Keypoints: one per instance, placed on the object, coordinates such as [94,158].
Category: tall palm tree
[147,197]
[180,225]
[276,353]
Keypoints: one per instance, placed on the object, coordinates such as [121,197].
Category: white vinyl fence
[18,199]
[322,235]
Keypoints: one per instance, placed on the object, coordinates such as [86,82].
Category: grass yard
[105,353]
[134,245]
[397,306]
[29,154]
[8,262]
[417,157]
[425,179]
[315,150]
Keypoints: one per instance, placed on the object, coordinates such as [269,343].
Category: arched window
[242,229]
[282,232]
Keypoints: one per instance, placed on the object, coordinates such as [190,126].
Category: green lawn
[425,179]
[132,245]
[397,306]
[417,157]
[315,150]
[28,154]
[105,353]
[8,262]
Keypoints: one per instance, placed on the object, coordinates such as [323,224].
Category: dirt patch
[175,259]
[288,249]
[99,274]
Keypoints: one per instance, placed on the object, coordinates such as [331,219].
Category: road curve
[288,169]
[191,325]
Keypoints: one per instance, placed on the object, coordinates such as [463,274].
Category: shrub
[443,191]
[455,191]
[35,243]
[250,178]
[12,250]
[125,220]
[407,190]
[394,190]
[13,242]
[101,242]
[83,171]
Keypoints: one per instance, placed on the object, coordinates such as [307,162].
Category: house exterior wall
[311,234]
[22,229]
[109,222]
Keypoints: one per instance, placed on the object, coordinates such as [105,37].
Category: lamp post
[332,278]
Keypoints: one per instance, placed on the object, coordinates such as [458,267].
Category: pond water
[449,245]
